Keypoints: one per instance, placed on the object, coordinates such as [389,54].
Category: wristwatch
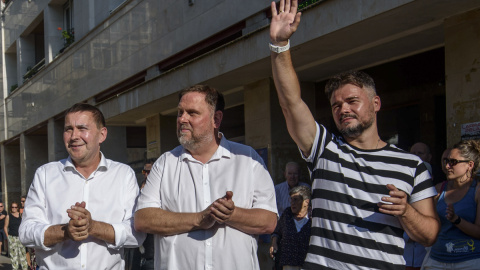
[279,49]
[457,221]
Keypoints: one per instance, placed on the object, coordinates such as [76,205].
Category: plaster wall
[462,69]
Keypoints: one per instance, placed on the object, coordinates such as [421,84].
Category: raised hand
[450,215]
[396,204]
[284,21]
[80,224]
[223,208]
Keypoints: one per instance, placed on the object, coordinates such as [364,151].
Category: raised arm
[300,121]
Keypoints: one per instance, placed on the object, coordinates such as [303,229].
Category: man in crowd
[292,176]
[147,250]
[22,201]
[422,151]
[78,213]
[207,199]
[366,192]
[414,252]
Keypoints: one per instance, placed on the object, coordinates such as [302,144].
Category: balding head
[292,173]
[422,151]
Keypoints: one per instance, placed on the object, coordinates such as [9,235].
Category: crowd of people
[203,204]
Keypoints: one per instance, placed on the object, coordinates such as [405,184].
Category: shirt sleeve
[424,187]
[318,146]
[264,191]
[150,194]
[125,233]
[34,218]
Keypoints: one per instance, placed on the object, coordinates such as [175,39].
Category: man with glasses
[79,210]
[3,236]
[22,201]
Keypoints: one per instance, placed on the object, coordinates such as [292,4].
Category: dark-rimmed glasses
[452,162]
[145,171]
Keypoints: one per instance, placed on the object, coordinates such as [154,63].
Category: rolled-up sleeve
[125,233]
[264,191]
[150,194]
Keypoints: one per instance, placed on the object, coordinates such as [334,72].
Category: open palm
[285,22]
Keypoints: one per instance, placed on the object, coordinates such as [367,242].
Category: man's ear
[377,103]
[103,134]
[217,119]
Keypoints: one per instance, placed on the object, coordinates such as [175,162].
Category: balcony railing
[34,70]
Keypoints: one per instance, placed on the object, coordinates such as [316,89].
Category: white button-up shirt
[109,192]
[179,183]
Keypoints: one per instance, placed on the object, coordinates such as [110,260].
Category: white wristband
[279,49]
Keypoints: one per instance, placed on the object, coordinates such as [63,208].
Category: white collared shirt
[109,193]
[179,183]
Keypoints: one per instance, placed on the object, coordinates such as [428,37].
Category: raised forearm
[253,221]
[420,228]
[162,222]
[55,234]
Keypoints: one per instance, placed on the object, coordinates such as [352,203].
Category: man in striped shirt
[366,192]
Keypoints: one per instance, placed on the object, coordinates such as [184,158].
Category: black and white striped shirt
[348,231]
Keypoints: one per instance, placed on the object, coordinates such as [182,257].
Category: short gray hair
[303,191]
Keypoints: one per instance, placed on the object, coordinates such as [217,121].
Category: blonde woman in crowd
[458,199]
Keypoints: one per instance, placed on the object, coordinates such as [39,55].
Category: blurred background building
[131,58]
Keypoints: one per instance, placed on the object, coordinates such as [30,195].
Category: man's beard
[196,140]
[356,130]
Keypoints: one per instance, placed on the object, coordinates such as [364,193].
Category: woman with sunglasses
[17,250]
[458,206]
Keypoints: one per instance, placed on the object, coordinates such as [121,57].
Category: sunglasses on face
[14,207]
[145,171]
[452,162]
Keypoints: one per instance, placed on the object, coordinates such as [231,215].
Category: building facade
[131,58]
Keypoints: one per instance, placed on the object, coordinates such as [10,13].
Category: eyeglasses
[22,201]
[14,207]
[145,171]
[452,162]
